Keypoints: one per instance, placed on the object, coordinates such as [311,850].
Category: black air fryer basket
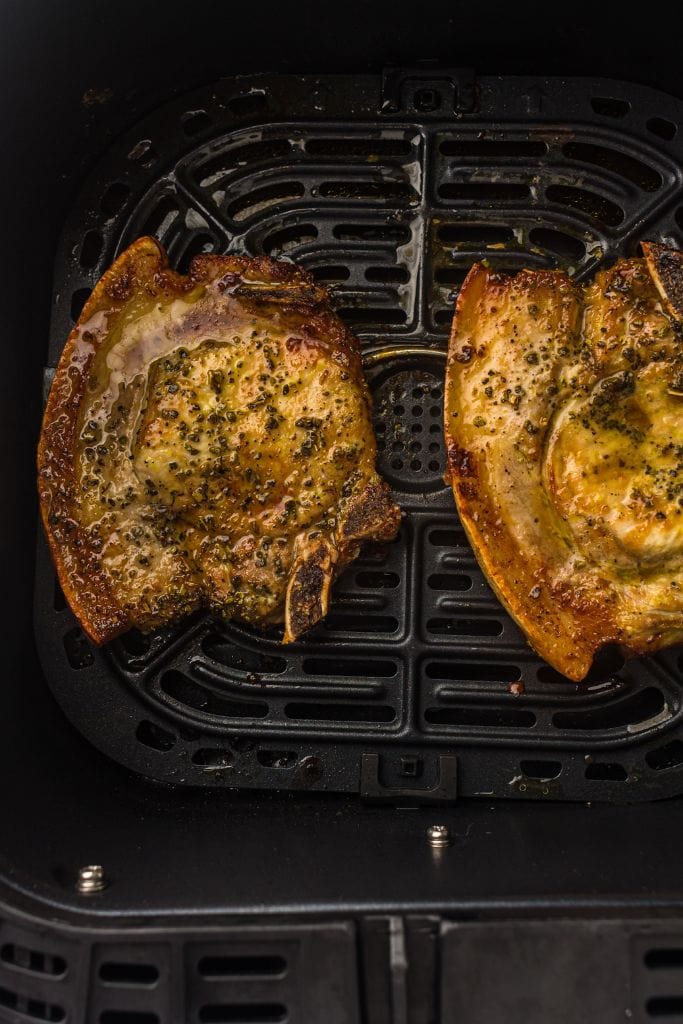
[201,825]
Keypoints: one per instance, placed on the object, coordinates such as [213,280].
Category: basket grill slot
[662,128]
[31,1009]
[655,959]
[484,717]
[670,755]
[32,961]
[152,735]
[665,1006]
[541,769]
[493,149]
[639,707]
[186,692]
[484,191]
[242,1013]
[595,206]
[252,103]
[308,711]
[261,198]
[241,966]
[129,974]
[608,106]
[619,163]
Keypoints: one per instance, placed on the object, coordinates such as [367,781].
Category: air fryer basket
[262,904]
[388,189]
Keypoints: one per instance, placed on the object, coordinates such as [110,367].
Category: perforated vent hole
[394,233]
[32,961]
[595,206]
[242,1013]
[662,128]
[472,670]
[450,275]
[449,581]
[195,122]
[387,275]
[331,274]
[541,769]
[484,191]
[333,666]
[619,163]
[494,149]
[448,538]
[276,758]
[78,651]
[464,627]
[609,106]
[349,147]
[376,580]
[201,243]
[665,1006]
[361,622]
[220,649]
[606,771]
[128,1017]
[656,959]
[212,171]
[188,693]
[136,643]
[31,1009]
[91,249]
[160,218]
[340,712]
[241,966]
[401,403]
[640,707]
[252,103]
[475,235]
[58,600]
[78,301]
[670,755]
[270,195]
[282,241]
[114,198]
[212,758]
[482,717]
[143,152]
[568,248]
[129,974]
[372,316]
[152,735]
[383,191]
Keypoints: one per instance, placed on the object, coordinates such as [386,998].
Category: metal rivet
[438,836]
[91,879]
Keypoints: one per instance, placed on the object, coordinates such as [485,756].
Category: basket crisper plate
[418,686]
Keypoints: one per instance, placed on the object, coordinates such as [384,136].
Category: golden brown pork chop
[207,441]
[564,426]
